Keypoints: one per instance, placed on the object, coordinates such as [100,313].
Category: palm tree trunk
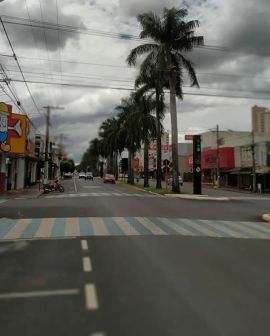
[158,181]
[146,163]
[175,181]
[130,167]
[115,163]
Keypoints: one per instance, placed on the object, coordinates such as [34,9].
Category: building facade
[260,118]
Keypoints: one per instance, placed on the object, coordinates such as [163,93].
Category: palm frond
[140,50]
[190,69]
[151,26]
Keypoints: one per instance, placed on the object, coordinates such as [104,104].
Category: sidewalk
[31,192]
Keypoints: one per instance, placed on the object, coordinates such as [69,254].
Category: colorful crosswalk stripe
[45,228]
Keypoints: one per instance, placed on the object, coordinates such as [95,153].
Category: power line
[13,51]
[89,31]
[95,86]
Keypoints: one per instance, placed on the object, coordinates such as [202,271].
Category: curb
[198,197]
[266,217]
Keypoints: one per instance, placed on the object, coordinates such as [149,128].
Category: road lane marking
[87,265]
[99,227]
[84,245]
[180,229]
[72,227]
[91,301]
[201,229]
[150,226]
[125,226]
[45,228]
[75,186]
[220,228]
[17,230]
[24,295]
[98,334]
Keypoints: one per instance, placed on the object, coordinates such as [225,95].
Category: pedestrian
[259,188]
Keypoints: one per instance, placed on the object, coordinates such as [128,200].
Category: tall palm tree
[128,133]
[152,80]
[145,126]
[172,37]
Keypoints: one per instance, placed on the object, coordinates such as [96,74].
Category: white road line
[202,229]
[84,245]
[179,229]
[91,301]
[24,295]
[87,265]
[98,334]
[75,186]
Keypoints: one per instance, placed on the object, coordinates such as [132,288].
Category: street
[132,263]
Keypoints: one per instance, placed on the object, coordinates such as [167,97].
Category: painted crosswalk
[44,228]
[100,194]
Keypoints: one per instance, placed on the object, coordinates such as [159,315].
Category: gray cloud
[33,37]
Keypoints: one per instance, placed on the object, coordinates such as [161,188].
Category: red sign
[209,158]
[188,137]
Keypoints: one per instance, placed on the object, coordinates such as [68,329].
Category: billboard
[17,133]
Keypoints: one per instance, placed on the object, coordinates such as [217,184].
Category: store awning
[243,171]
[263,170]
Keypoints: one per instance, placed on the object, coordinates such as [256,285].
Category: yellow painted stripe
[72,227]
[45,228]
[150,226]
[99,226]
[125,226]
[179,229]
[18,229]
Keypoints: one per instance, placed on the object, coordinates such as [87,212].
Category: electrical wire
[14,55]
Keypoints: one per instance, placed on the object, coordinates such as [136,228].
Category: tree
[145,126]
[172,37]
[152,80]
[128,136]
[67,165]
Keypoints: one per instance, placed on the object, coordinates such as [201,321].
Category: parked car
[89,176]
[180,178]
[82,175]
[109,178]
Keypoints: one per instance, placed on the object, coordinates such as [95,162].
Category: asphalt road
[96,199]
[147,286]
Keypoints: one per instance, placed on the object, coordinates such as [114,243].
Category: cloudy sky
[91,62]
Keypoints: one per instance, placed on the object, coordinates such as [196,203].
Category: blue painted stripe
[59,227]
[138,226]
[5,227]
[162,226]
[217,229]
[31,229]
[86,228]
[181,223]
[237,230]
[112,227]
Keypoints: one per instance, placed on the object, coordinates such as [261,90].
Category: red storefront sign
[209,158]
[188,136]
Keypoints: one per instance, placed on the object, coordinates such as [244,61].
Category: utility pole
[218,157]
[253,162]
[48,115]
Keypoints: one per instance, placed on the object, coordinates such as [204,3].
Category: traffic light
[197,184]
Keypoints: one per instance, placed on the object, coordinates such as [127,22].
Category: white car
[82,175]
[180,178]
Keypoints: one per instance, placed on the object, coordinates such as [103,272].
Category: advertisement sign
[17,133]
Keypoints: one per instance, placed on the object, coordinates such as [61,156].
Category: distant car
[179,178]
[82,175]
[109,178]
[89,176]
[68,175]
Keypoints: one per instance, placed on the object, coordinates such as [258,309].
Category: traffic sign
[188,136]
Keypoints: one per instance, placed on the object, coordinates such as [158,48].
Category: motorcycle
[53,187]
